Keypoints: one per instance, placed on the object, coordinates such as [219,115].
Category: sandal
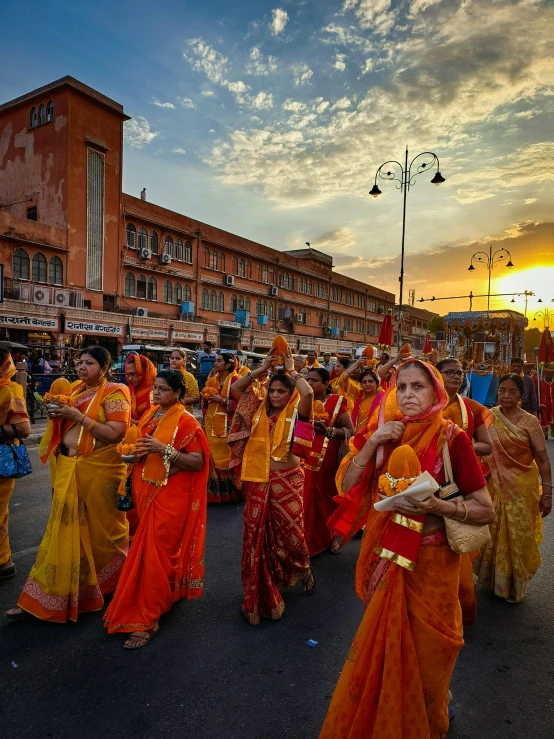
[334,547]
[6,572]
[140,638]
[309,582]
[14,614]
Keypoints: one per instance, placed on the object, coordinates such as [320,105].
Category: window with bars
[241,302]
[360,327]
[179,250]
[55,271]
[233,306]
[142,238]
[371,329]
[334,321]
[95,221]
[221,261]
[177,293]
[242,267]
[20,264]
[270,310]
[168,292]
[130,285]
[221,302]
[265,275]
[247,304]
[39,267]
[141,286]
[131,235]
[168,246]
[154,243]
[205,300]
[33,117]
[152,289]
[186,293]
[213,260]
[187,253]
[49,111]
[360,301]
[41,114]
[206,253]
[235,266]
[348,324]
[372,305]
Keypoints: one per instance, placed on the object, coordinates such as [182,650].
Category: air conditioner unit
[344,334]
[41,295]
[22,292]
[165,258]
[228,280]
[142,312]
[144,253]
[299,317]
[61,297]
[274,291]
[187,307]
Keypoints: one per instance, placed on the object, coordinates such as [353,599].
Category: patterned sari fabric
[85,544]
[274,552]
[166,560]
[12,410]
[511,559]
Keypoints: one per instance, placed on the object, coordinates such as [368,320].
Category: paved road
[209,674]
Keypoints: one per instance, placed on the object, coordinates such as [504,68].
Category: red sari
[166,560]
[319,483]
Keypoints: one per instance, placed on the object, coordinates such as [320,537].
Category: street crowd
[315,450]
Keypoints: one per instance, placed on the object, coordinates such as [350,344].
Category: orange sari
[141,394]
[166,560]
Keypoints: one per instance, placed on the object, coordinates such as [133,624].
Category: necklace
[158,414]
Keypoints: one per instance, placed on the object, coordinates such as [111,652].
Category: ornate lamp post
[490,260]
[390,171]
[546,315]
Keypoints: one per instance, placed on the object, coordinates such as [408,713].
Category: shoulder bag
[14,460]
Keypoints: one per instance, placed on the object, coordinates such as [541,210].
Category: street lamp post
[490,260]
[546,315]
[407,178]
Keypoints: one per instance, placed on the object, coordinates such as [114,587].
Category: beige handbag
[463,538]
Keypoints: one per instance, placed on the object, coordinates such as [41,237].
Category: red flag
[427,346]
[546,349]
[385,334]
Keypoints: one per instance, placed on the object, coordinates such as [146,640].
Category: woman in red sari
[140,374]
[274,550]
[321,467]
[395,681]
[169,478]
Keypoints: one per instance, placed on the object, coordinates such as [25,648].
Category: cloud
[208,93]
[278,21]
[338,240]
[372,14]
[262,101]
[340,62]
[301,74]
[137,133]
[178,150]
[186,103]
[345,36]
[294,106]
[158,104]
[342,104]
[260,66]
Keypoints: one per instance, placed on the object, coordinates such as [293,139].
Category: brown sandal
[142,637]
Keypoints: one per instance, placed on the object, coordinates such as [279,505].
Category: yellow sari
[85,544]
[511,559]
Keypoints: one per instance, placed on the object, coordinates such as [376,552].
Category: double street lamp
[405,176]
[490,260]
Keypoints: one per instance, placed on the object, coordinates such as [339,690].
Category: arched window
[39,267]
[248,269]
[187,255]
[220,302]
[213,300]
[33,117]
[234,304]
[213,260]
[178,293]
[141,286]
[265,275]
[131,238]
[130,285]
[258,307]
[186,293]
[241,302]
[221,261]
[20,265]
[152,289]
[168,292]
[179,250]
[235,265]
[55,272]
[154,248]
[41,114]
[142,238]
[168,246]
[205,300]
[206,253]
[270,310]
[247,304]
[280,312]
[241,268]
[49,111]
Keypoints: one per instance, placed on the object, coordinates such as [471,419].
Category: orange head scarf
[141,395]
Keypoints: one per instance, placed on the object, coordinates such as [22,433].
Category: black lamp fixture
[438,179]
[510,264]
[470,268]
[375,191]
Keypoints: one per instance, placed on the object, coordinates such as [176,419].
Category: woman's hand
[65,411]
[149,445]
[321,426]
[217,399]
[289,361]
[545,505]
[391,431]
[421,507]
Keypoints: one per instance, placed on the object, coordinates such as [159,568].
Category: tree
[435,324]
[531,339]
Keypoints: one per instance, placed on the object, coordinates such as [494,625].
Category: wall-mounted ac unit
[274,291]
[228,280]
[144,253]
[142,312]
[41,295]
[187,307]
[61,297]
[344,333]
[165,258]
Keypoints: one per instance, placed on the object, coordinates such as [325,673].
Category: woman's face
[369,386]
[176,361]
[278,395]
[162,394]
[131,374]
[317,384]
[219,364]
[453,375]
[89,370]
[508,394]
[299,362]
[339,369]
[415,392]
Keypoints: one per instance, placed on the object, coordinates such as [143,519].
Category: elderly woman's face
[415,392]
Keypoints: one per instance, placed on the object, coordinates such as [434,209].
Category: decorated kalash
[485,342]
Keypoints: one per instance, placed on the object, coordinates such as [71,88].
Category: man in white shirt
[327,361]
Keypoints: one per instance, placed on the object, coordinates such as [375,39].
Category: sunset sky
[269,119]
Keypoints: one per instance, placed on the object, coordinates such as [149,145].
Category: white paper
[421,488]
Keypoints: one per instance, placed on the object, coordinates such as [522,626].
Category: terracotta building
[84,262]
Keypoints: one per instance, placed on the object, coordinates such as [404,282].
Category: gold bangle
[88,428]
[359,466]
[467,511]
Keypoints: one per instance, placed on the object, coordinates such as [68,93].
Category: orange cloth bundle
[319,411]
[406,351]
[368,354]
[403,468]
[279,348]
[59,392]
[208,392]
[127,446]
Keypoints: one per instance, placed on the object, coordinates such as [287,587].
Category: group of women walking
[311,455]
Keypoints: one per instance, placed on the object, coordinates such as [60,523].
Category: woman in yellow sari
[217,421]
[367,398]
[13,413]
[395,681]
[521,500]
[178,361]
[85,544]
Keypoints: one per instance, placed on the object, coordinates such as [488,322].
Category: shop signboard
[149,333]
[188,336]
[31,322]
[84,327]
[229,324]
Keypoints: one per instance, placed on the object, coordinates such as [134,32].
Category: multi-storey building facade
[85,262]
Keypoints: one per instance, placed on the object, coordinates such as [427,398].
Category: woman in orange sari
[521,499]
[217,421]
[169,478]
[395,681]
[365,395]
[274,551]
[140,374]
[322,465]
[13,413]
[471,417]
[85,544]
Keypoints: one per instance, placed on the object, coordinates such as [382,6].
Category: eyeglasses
[453,373]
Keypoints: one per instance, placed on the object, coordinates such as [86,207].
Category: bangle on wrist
[359,466]
[547,484]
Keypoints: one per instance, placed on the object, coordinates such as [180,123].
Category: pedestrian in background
[178,361]
[140,374]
